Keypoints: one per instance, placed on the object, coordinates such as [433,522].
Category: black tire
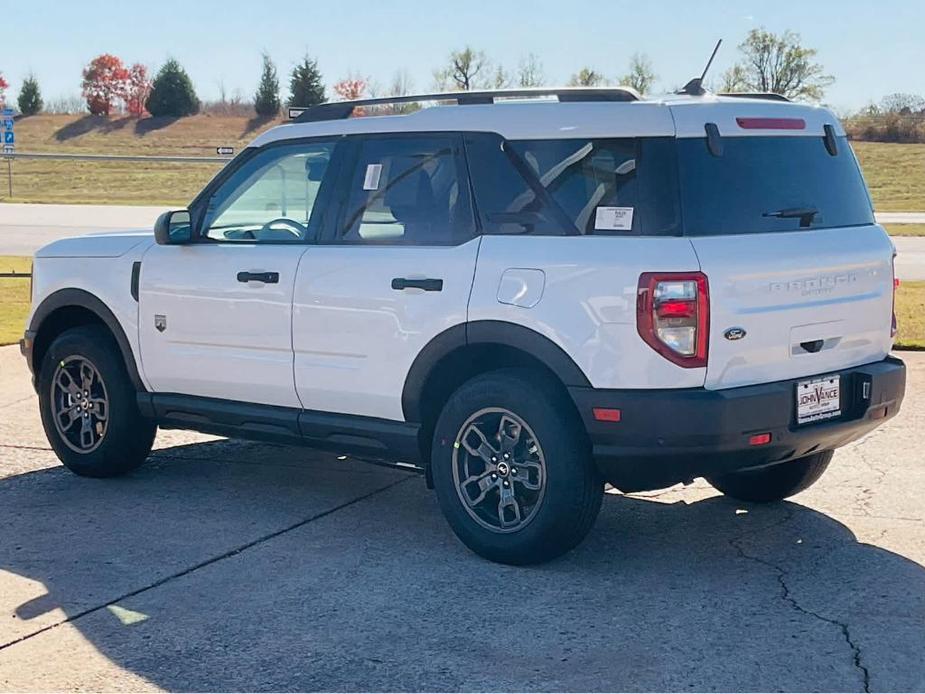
[115,444]
[775,482]
[552,519]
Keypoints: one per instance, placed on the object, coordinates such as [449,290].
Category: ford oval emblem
[734,333]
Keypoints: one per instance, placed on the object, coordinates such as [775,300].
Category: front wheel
[774,482]
[88,405]
[512,468]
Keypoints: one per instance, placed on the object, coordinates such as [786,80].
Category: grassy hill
[895,173]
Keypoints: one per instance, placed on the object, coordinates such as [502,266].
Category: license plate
[818,398]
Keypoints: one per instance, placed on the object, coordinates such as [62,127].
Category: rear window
[768,184]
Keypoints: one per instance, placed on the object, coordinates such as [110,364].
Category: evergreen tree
[30,98]
[266,100]
[172,93]
[305,85]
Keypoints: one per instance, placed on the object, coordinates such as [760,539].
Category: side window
[407,190]
[272,197]
[584,175]
[506,202]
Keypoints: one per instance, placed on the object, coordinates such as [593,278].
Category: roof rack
[767,96]
[337,110]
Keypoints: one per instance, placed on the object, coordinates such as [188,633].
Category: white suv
[521,298]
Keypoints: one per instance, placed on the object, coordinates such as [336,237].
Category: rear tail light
[894,325]
[673,315]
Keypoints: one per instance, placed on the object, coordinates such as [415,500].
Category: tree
[501,78]
[777,64]
[402,85]
[530,72]
[467,69]
[266,100]
[586,77]
[3,86]
[137,91]
[305,85]
[105,80]
[641,76]
[172,93]
[351,88]
[30,98]
[903,104]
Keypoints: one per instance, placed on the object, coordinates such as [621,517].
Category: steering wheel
[296,228]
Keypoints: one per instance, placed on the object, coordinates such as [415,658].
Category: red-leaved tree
[105,81]
[137,90]
[3,85]
[351,89]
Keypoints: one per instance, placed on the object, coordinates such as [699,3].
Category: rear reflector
[771,123]
[759,440]
[607,414]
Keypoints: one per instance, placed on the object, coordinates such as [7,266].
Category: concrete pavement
[224,565]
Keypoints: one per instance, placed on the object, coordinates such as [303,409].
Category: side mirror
[173,228]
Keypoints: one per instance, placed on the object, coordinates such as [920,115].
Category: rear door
[394,271]
[800,276]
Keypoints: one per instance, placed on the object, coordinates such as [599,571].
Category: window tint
[594,186]
[407,190]
[758,176]
[507,204]
[271,197]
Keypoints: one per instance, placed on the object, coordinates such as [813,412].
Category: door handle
[428,285]
[265,277]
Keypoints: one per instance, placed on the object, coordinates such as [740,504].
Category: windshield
[768,184]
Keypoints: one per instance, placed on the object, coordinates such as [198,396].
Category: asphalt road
[25,228]
[223,565]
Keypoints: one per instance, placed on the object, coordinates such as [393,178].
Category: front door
[394,271]
[215,315]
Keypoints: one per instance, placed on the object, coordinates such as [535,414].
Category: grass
[14,299]
[910,312]
[905,229]
[894,172]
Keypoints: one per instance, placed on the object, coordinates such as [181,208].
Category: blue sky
[872,48]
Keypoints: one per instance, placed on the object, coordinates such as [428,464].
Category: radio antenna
[695,86]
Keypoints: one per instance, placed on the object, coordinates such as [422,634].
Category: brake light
[771,123]
[673,315]
[894,324]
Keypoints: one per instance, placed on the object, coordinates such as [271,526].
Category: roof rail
[337,110]
[767,96]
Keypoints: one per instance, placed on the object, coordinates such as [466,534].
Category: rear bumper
[670,436]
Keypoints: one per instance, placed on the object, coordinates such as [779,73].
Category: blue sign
[9,138]
[8,123]
[8,112]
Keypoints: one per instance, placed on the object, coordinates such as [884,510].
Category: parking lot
[224,565]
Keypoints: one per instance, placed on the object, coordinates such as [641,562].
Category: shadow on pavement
[238,566]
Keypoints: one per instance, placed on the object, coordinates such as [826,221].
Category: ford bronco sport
[522,298]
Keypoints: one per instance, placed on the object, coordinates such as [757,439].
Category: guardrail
[176,159]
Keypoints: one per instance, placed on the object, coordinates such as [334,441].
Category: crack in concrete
[207,562]
[788,597]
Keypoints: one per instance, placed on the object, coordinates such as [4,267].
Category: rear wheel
[88,405]
[512,469]
[774,482]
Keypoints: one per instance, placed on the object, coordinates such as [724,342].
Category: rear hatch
[800,277]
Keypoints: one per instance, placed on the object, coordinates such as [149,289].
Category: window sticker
[614,218]
[373,174]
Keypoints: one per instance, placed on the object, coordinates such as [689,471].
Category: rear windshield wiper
[804,214]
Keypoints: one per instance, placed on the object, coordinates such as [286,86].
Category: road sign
[8,123]
[8,112]
[223,151]
[9,137]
